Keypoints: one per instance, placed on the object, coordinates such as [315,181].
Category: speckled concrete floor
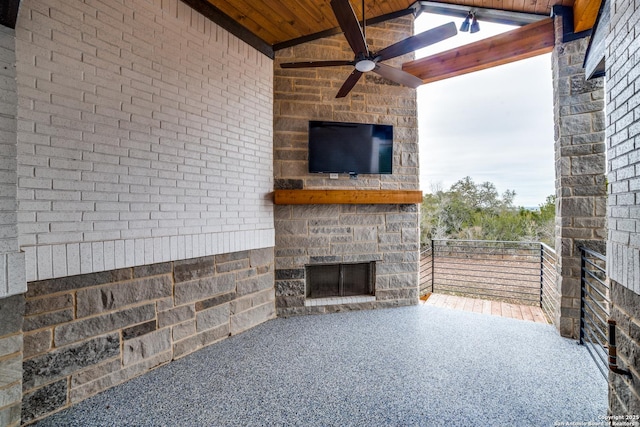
[411,366]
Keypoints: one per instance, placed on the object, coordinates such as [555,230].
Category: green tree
[477,212]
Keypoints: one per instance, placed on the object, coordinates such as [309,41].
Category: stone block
[94,326]
[186,346]
[164,304]
[10,395]
[288,184]
[195,268]
[117,377]
[94,372]
[139,330]
[231,256]
[10,370]
[10,416]
[10,344]
[153,270]
[315,211]
[176,315]
[146,346]
[49,303]
[46,287]
[289,274]
[397,268]
[11,314]
[44,400]
[575,125]
[47,319]
[576,207]
[330,259]
[387,294]
[212,317]
[213,335]
[291,226]
[594,164]
[212,302]
[241,304]
[183,330]
[37,342]
[293,301]
[261,257]
[67,360]
[112,297]
[361,220]
[288,288]
[247,319]
[232,266]
[353,248]
[202,289]
[254,284]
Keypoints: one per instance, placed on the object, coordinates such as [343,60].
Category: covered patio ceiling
[270,25]
[282,21]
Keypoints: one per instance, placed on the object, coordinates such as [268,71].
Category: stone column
[12,274]
[580,166]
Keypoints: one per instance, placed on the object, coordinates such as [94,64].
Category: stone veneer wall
[11,312]
[623,215]
[387,234]
[580,172]
[140,134]
[84,334]
[12,274]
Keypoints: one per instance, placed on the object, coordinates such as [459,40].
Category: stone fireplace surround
[317,234]
[344,232]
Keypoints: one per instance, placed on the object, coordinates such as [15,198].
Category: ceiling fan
[366,60]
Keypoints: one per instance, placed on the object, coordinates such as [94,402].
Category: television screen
[353,148]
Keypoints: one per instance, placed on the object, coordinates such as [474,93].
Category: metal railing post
[433,265]
[541,272]
[583,266]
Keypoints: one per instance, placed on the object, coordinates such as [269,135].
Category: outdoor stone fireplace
[384,234]
[340,280]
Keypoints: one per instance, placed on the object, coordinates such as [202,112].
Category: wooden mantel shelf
[346,197]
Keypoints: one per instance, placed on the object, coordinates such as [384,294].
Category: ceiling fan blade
[418,41]
[315,64]
[350,26]
[349,84]
[397,75]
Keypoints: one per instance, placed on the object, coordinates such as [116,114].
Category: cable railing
[514,272]
[595,306]
[426,271]
[549,295]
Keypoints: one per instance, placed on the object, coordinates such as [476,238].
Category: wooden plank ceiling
[280,21]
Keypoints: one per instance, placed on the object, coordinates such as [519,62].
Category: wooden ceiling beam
[521,43]
[585,13]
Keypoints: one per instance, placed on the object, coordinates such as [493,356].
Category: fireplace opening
[340,280]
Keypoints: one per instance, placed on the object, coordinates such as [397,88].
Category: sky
[493,125]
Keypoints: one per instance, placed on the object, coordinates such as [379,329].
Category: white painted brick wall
[144,135]
[12,270]
[623,145]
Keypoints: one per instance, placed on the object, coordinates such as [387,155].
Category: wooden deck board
[495,308]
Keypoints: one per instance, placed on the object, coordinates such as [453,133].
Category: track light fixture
[470,23]
[475,26]
[464,27]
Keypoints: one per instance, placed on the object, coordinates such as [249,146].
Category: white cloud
[494,125]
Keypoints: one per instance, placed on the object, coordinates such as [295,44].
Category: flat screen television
[353,148]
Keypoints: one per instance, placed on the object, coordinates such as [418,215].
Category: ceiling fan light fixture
[365,65]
